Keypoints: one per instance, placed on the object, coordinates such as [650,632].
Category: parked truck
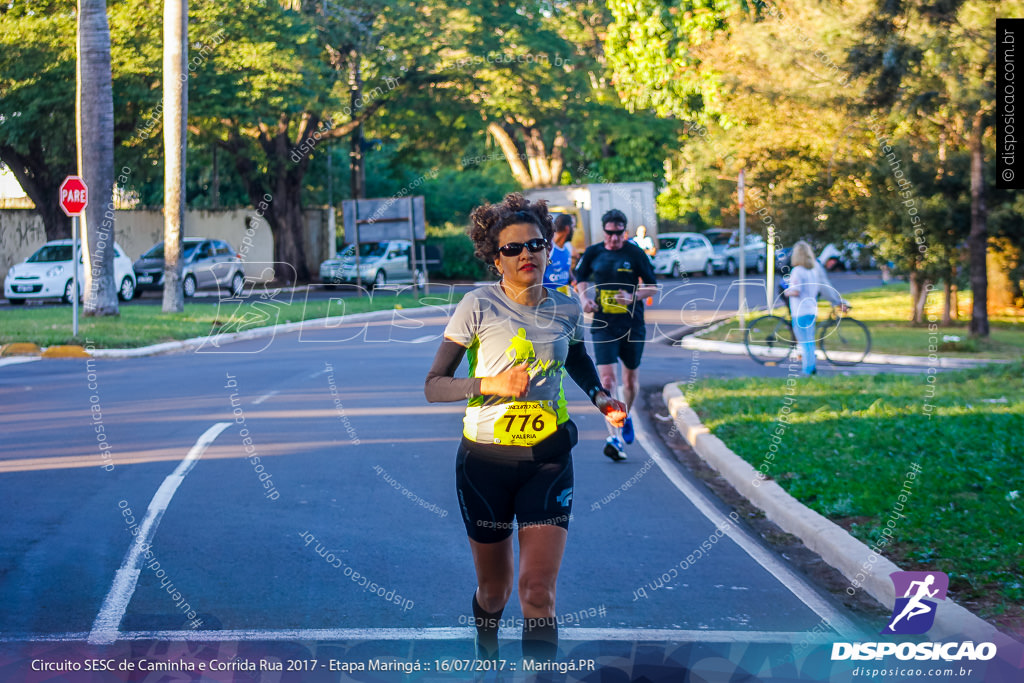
[589,202]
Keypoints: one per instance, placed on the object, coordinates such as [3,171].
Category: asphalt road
[355,479]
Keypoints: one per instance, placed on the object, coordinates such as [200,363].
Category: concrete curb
[20,349]
[732,348]
[833,543]
[214,342]
[65,351]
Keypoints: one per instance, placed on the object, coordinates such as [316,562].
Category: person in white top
[643,241]
[807,280]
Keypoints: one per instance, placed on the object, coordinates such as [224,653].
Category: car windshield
[157,252]
[372,249]
[51,253]
[667,242]
[719,239]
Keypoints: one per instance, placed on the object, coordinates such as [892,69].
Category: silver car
[380,263]
[755,253]
[206,264]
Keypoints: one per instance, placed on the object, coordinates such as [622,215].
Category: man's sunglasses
[516,248]
[615,233]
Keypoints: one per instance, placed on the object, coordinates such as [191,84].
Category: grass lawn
[886,310]
[142,325]
[851,442]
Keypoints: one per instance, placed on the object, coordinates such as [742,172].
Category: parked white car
[47,274]
[680,253]
[380,263]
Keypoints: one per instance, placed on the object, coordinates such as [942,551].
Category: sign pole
[743,255]
[770,284]
[74,276]
[74,197]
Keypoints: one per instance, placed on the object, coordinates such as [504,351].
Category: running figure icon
[914,612]
[915,607]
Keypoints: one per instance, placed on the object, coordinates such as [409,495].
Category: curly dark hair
[614,216]
[490,219]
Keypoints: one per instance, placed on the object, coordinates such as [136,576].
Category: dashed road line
[104,628]
[264,397]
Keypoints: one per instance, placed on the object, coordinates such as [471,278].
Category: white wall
[21,233]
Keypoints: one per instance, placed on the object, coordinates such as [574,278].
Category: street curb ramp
[833,543]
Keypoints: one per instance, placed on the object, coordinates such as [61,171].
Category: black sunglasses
[615,233]
[516,248]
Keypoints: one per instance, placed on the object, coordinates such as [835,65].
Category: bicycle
[844,340]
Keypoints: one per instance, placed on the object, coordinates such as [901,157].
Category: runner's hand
[623,298]
[589,305]
[513,382]
[613,409]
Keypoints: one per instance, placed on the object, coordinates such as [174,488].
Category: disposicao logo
[913,614]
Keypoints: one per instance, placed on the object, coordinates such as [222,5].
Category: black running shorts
[493,491]
[613,343]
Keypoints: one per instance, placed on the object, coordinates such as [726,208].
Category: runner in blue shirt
[558,275]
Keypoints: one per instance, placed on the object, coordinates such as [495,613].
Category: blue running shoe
[615,449]
[628,435]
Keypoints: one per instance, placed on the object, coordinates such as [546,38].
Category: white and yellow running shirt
[499,333]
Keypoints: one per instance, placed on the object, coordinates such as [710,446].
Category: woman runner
[515,460]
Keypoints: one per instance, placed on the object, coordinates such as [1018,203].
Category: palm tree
[175,112]
[95,132]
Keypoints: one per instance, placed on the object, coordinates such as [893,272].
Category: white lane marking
[104,628]
[264,397]
[424,339]
[318,373]
[780,571]
[453,633]
[15,360]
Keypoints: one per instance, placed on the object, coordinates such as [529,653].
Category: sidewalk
[692,341]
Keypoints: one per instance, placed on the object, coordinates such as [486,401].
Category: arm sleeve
[825,286]
[581,369]
[796,278]
[441,384]
[582,270]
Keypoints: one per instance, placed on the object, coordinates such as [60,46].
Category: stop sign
[74,195]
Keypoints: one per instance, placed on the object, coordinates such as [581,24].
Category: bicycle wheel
[844,341]
[769,340]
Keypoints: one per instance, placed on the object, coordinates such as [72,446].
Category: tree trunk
[947,305]
[977,240]
[215,182]
[919,288]
[512,155]
[542,169]
[289,231]
[1003,266]
[175,133]
[95,132]
[42,185]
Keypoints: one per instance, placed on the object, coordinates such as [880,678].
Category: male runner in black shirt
[623,277]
